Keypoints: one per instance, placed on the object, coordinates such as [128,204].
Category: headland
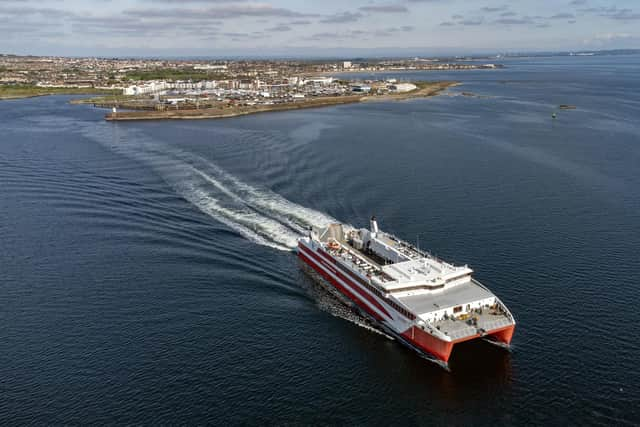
[225,110]
[151,89]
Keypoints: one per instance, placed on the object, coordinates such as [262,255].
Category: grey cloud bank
[173,27]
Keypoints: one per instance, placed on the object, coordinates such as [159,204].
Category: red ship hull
[414,336]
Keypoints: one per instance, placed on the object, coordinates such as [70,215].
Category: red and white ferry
[424,302]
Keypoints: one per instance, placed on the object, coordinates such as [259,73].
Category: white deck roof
[424,269]
[461,294]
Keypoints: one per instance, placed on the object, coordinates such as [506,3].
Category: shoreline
[427,90]
[14,97]
[25,93]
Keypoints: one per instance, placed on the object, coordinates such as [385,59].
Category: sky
[314,28]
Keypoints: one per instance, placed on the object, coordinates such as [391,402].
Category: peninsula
[151,89]
[222,109]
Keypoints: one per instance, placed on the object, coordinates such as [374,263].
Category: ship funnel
[374,226]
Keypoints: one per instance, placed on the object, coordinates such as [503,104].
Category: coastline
[15,97]
[23,92]
[426,90]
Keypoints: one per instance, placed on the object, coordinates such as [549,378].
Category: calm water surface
[147,277]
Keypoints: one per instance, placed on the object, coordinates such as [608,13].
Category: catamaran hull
[381,313]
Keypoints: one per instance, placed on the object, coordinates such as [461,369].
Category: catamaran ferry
[424,302]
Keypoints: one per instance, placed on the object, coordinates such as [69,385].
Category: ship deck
[459,329]
[471,324]
[449,297]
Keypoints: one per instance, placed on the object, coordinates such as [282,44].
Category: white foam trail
[247,224]
[294,215]
[257,214]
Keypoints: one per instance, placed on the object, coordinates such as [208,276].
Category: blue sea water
[147,277]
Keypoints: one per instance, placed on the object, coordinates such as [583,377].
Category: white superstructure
[426,302]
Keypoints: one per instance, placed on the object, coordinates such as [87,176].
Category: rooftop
[461,294]
[424,270]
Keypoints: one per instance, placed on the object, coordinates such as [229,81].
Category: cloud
[493,9]
[279,28]
[613,12]
[562,16]
[341,18]
[194,1]
[170,24]
[346,17]
[613,36]
[358,34]
[525,20]
[121,26]
[459,20]
[472,22]
[21,11]
[323,36]
[625,15]
[402,29]
[384,8]
[612,39]
[222,12]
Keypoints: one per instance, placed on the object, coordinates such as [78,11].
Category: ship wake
[336,304]
[258,214]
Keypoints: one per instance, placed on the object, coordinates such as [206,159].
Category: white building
[402,87]
[160,86]
[319,81]
[146,88]
[210,67]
